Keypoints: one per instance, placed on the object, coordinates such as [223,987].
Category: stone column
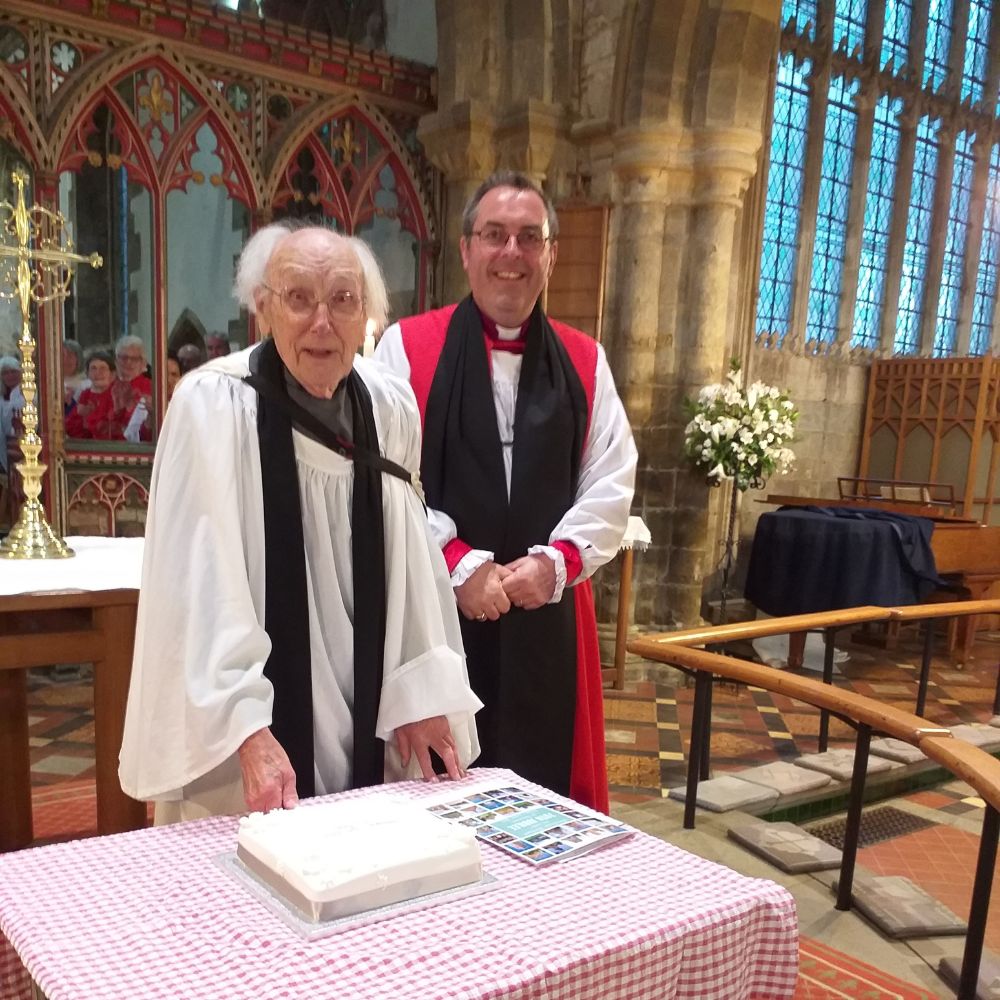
[676,196]
[724,161]
[460,141]
[533,138]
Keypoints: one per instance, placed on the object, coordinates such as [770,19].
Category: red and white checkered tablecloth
[149,915]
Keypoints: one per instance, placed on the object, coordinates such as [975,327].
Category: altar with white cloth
[76,610]
[153,914]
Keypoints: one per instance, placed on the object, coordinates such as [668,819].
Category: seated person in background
[10,383]
[140,427]
[297,633]
[173,373]
[11,426]
[218,346]
[190,356]
[89,411]
[73,374]
[130,387]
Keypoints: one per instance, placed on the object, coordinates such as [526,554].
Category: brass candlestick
[34,275]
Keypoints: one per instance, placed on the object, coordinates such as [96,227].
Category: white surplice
[596,521]
[198,688]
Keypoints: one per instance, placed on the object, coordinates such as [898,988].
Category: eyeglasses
[496,238]
[130,357]
[303,302]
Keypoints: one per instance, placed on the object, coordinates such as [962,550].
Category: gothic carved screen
[165,157]
[345,174]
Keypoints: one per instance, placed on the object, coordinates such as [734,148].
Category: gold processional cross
[34,275]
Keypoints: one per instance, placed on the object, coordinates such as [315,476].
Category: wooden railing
[865,715]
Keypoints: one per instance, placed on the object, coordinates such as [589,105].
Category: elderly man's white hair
[9,361]
[256,254]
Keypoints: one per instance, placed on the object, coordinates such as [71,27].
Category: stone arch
[740,42]
[187,329]
[653,61]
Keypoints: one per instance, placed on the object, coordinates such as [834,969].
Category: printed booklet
[534,829]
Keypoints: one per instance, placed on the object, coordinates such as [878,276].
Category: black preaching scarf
[286,614]
[523,667]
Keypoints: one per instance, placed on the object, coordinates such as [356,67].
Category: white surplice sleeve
[596,522]
[424,666]
[198,689]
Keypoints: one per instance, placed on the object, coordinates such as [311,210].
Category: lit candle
[369,346]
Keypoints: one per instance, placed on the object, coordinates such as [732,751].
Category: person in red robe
[528,466]
[131,386]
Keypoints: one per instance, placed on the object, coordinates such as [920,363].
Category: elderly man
[296,630]
[528,466]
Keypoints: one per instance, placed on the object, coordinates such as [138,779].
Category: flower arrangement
[740,434]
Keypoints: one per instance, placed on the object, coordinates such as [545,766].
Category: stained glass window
[918,234]
[954,248]
[831,213]
[878,220]
[984,301]
[803,11]
[896,34]
[938,41]
[784,197]
[849,24]
[977,50]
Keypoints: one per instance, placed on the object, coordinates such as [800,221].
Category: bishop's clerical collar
[504,338]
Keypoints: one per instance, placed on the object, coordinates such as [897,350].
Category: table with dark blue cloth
[810,559]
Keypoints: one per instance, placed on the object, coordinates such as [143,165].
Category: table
[805,561]
[150,914]
[75,610]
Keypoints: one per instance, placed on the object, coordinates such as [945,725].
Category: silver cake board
[311,930]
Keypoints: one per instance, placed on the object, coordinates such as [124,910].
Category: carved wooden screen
[213,124]
[937,420]
[347,171]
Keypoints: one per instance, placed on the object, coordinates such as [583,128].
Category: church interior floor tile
[877,824]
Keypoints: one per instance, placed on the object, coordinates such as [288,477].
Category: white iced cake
[335,859]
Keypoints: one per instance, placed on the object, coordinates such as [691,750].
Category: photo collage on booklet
[534,829]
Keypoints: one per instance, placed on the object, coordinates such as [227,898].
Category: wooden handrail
[945,609]
[881,717]
[759,628]
[966,761]
[711,634]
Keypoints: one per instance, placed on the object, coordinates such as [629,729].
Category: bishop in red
[528,467]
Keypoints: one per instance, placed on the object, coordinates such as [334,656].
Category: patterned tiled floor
[647,755]
[648,724]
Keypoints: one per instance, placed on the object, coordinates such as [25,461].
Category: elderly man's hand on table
[268,778]
[418,738]
[531,581]
[482,595]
